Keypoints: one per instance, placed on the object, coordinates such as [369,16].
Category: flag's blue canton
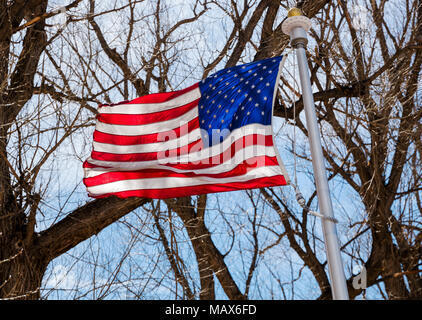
[238,96]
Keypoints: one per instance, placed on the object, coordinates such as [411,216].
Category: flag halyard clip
[301,201]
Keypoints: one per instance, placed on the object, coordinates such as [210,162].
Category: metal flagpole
[296,26]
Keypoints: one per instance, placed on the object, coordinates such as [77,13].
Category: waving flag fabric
[213,136]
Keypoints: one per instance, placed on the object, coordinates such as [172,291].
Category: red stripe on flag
[201,189]
[155,97]
[86,164]
[140,119]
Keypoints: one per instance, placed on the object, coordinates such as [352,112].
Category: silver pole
[296,26]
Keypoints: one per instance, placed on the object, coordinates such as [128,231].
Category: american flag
[213,136]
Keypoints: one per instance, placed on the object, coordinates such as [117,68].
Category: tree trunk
[21,272]
[210,260]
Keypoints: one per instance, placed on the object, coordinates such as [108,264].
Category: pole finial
[296,25]
[294,12]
